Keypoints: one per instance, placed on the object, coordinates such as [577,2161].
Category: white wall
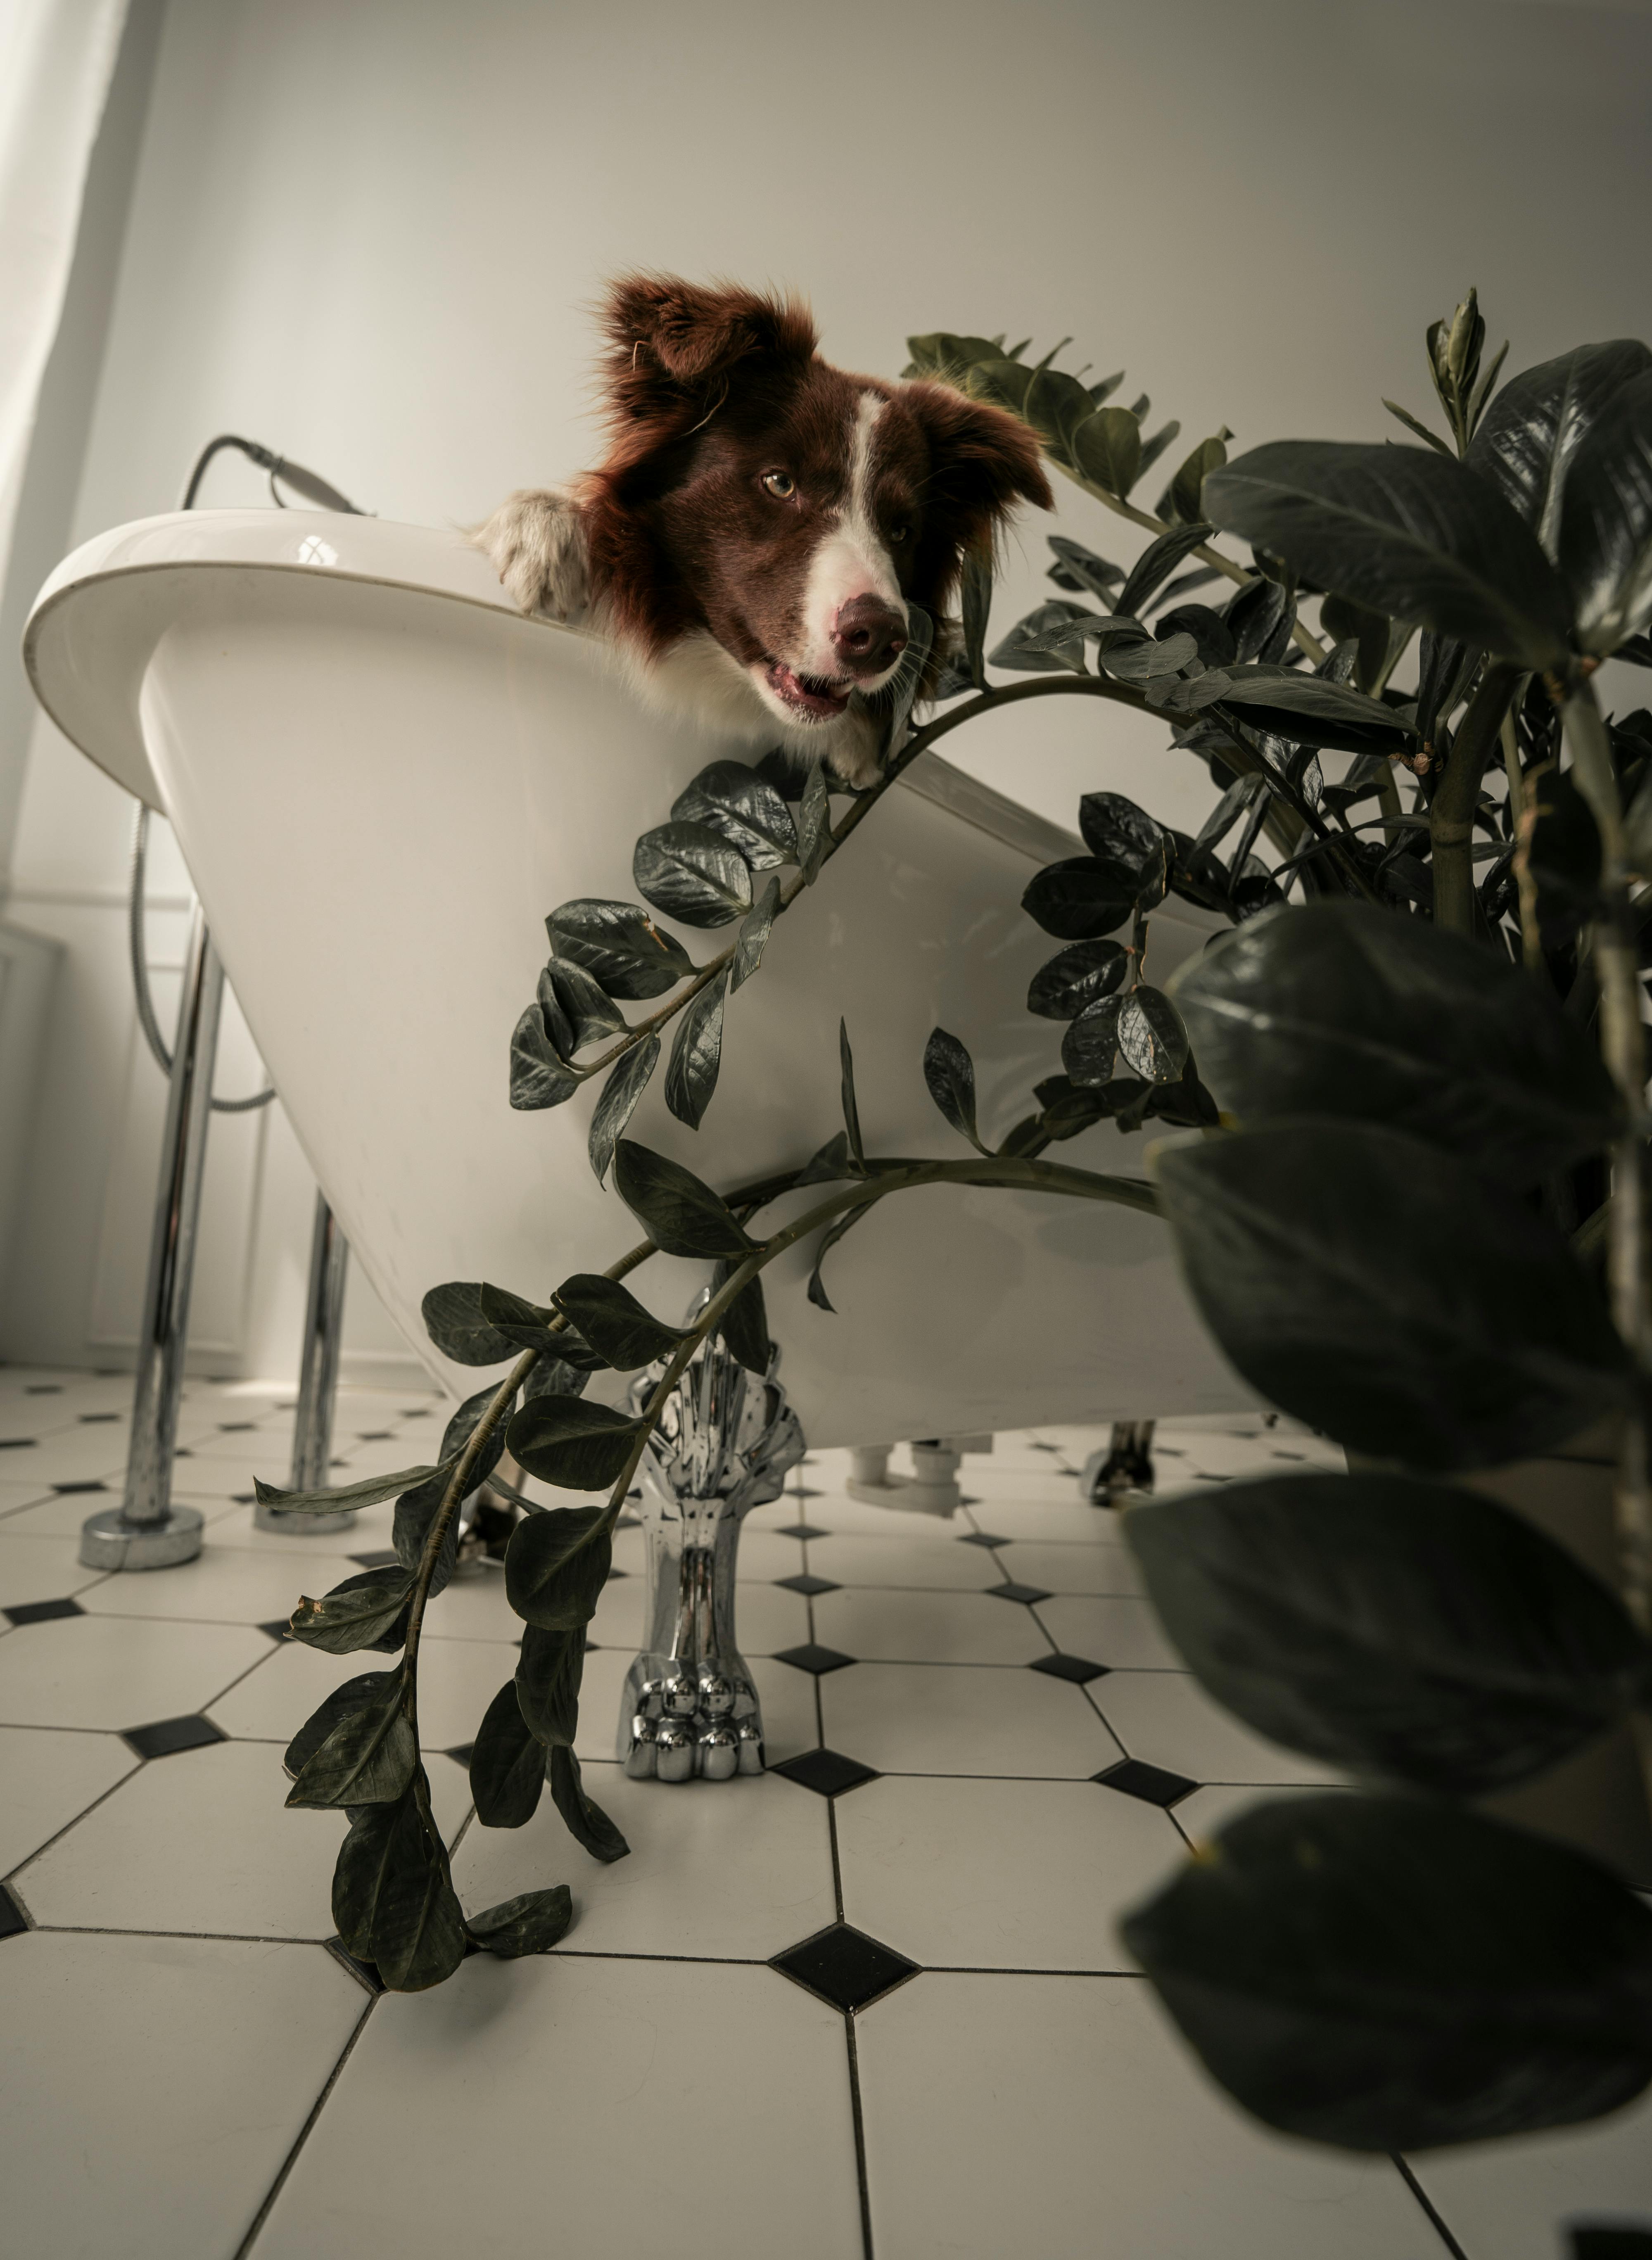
[369,234]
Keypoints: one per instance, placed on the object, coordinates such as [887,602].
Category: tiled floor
[873,2003]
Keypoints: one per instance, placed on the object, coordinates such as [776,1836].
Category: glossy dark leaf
[745,1328]
[1444,671]
[730,799]
[1188,484]
[539,1077]
[1337,1009]
[1083,568]
[693,874]
[368,1492]
[1126,838]
[416,1509]
[1162,439]
[1213,638]
[556,1565]
[827,1242]
[1238,799]
[586,1823]
[696,1054]
[1063,639]
[584,1003]
[1106,449]
[1076,977]
[1605,548]
[392,1902]
[1092,1041]
[369,1757]
[532,1922]
[1389,1974]
[1079,900]
[684,1216]
[1381,1291]
[1414,423]
[352,1696]
[571,1443]
[1533,428]
[1055,405]
[507,1763]
[1260,611]
[366,1611]
[627,1080]
[1003,382]
[1022,649]
[949,1073]
[619,944]
[815,825]
[610,1318]
[851,1106]
[454,1321]
[831,1165]
[547,1684]
[1157,562]
[753,935]
[1389,1626]
[1068,1108]
[1150,1035]
[975,606]
[1416,536]
[521,1323]
[1313,711]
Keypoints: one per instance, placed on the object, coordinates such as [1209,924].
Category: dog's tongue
[807,692]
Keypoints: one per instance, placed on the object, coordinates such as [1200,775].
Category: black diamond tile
[382,1560]
[374,1435]
[42,1611]
[167,1736]
[982,1538]
[1039,1445]
[69,1491]
[366,1971]
[629,1522]
[812,1657]
[11,1917]
[827,1772]
[1204,1478]
[845,1967]
[614,1570]
[17,1443]
[804,1530]
[236,1428]
[245,1498]
[278,1627]
[1014,1592]
[1078,1669]
[1151,1784]
[183,1453]
[94,1420]
[806,1584]
[43,1389]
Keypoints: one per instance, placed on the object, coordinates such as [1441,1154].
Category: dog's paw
[536,541]
[855,750]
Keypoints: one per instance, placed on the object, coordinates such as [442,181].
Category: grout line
[291,2158]
[1427,2204]
[860,2135]
[837,1865]
[136,1766]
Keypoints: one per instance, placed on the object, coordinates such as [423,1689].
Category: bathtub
[382,777]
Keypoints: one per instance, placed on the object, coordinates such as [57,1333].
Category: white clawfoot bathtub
[382,777]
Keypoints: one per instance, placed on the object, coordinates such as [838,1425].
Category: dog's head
[789,509]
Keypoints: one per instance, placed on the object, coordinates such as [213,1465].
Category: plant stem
[1451,817]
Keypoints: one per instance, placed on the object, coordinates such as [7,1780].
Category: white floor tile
[202,1842]
[914,1627]
[1063,1567]
[1508,2200]
[939,1717]
[1060,2117]
[16,1495]
[1168,1718]
[1034,1520]
[68,1454]
[1205,1812]
[937,1564]
[471,1607]
[48,1778]
[156,2086]
[1016,1875]
[1120,1634]
[560,2104]
[224,1584]
[457,1680]
[40,1568]
[369,1533]
[741,1868]
[119,1671]
[65,1517]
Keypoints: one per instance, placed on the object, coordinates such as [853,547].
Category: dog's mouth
[811,698]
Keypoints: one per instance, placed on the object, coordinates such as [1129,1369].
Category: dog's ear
[982,462]
[683,337]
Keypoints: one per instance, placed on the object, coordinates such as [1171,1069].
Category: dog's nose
[867,635]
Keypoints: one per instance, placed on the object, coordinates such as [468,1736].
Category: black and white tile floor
[871,2003]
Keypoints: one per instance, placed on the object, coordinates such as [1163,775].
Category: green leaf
[1389,1626]
[619,944]
[1133,662]
[1533,430]
[338,1706]
[582,1003]
[1089,1045]
[1605,548]
[1080,899]
[815,825]
[532,1922]
[1416,536]
[1126,838]
[369,1611]
[368,1492]
[520,1323]
[577,1446]
[370,1756]
[539,1076]
[831,1165]
[730,797]
[392,1901]
[1151,1036]
[692,873]
[1389,1975]
[1153,448]
[1188,484]
[1107,447]
[1337,1009]
[949,1072]
[684,1216]
[1003,382]
[1157,562]
[1068,1108]
[753,935]
[625,1086]
[507,1762]
[851,1111]
[547,1684]
[586,1823]
[1258,618]
[976,603]
[1382,1292]
[827,1242]
[454,1321]
[745,1328]
[1079,568]
[617,1326]
[1024,648]
[1076,977]
[696,1054]
[556,1565]
[1056,404]
[1313,711]
[1412,424]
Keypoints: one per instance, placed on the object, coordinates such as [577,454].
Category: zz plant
[1405,1186]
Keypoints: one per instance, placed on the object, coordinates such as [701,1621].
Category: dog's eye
[780,483]
[899,531]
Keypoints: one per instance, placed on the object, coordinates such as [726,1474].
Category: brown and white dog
[761,522]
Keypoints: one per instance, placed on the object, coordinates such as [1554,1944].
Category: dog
[761,522]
